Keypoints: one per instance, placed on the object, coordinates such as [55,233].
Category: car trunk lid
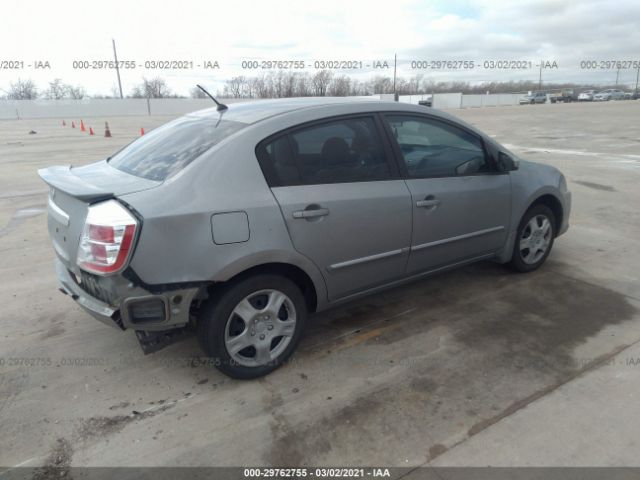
[72,190]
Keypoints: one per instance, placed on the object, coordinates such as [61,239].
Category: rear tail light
[107,238]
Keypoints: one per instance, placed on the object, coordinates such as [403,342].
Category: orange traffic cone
[141,131]
[107,132]
[73,124]
[90,131]
[82,129]
[64,124]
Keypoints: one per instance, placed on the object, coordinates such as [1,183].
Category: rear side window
[281,162]
[168,149]
[436,149]
[339,151]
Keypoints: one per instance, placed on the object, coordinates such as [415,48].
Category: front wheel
[251,327]
[534,239]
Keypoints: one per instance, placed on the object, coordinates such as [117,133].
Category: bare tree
[152,88]
[340,86]
[75,93]
[303,86]
[381,84]
[278,82]
[247,89]
[157,88]
[23,90]
[290,80]
[402,86]
[255,85]
[236,86]
[56,90]
[320,82]
[357,88]
[261,87]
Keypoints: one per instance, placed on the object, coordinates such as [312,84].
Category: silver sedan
[239,222]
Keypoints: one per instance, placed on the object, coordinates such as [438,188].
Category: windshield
[171,147]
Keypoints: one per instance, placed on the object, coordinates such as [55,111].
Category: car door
[461,204]
[342,198]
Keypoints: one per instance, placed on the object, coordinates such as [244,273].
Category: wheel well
[293,273]
[554,204]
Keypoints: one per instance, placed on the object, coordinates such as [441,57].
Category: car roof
[257,110]
[268,117]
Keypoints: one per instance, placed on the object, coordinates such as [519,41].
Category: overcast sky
[61,31]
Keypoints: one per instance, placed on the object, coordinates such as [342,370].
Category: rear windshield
[168,149]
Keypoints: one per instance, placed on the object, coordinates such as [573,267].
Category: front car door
[345,205]
[461,204]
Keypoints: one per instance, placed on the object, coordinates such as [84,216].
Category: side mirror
[506,163]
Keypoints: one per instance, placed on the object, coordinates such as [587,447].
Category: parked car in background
[617,94]
[628,95]
[609,94]
[535,97]
[565,95]
[586,96]
[602,96]
[238,222]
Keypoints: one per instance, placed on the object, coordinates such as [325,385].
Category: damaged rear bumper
[99,310]
[118,302]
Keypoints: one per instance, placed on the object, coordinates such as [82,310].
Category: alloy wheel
[260,328]
[535,239]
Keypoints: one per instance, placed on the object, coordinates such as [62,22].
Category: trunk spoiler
[61,178]
[94,182]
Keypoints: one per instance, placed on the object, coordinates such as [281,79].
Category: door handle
[429,202]
[311,213]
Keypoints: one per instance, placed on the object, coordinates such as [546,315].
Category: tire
[238,330]
[529,259]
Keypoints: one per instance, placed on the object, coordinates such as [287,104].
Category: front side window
[436,149]
[339,151]
[168,149]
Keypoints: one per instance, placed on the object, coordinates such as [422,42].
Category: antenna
[221,106]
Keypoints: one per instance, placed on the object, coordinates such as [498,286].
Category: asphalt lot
[478,366]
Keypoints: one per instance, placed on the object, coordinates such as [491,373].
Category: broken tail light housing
[107,238]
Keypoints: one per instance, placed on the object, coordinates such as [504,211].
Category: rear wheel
[534,238]
[251,327]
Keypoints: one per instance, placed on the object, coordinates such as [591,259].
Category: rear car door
[345,205]
[461,204]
